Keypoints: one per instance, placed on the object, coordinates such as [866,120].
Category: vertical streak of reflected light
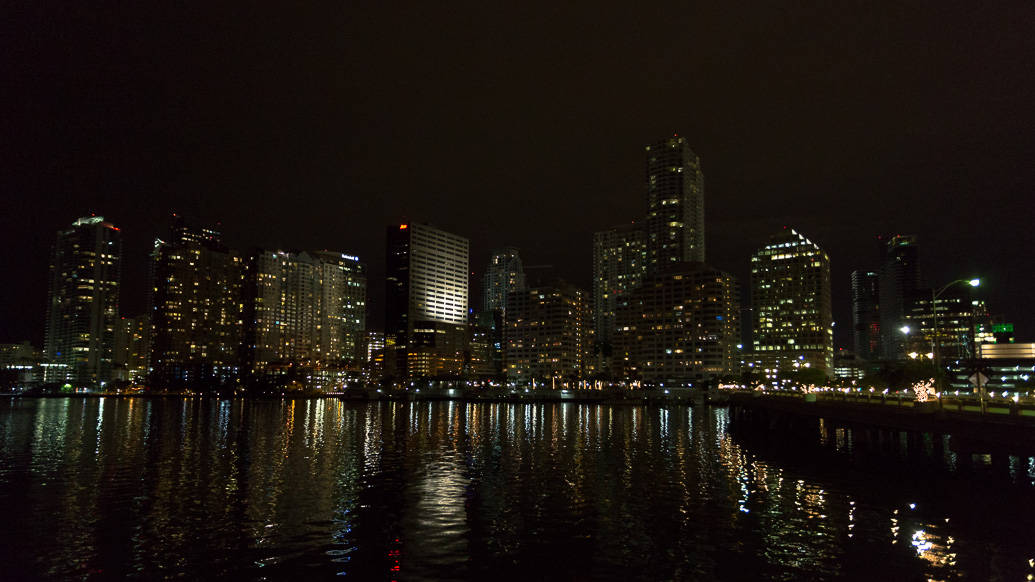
[100,421]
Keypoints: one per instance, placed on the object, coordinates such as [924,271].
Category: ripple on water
[449,491]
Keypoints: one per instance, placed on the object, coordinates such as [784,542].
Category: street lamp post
[934,310]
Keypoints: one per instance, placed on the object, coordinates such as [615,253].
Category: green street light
[974,282]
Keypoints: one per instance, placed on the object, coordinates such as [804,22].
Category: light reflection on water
[202,488]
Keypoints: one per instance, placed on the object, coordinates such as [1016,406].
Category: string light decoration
[924,389]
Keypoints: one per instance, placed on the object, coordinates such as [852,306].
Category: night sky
[313,125]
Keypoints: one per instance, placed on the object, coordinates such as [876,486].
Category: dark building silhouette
[504,274]
[899,280]
[866,315]
[485,344]
[483,356]
[132,349]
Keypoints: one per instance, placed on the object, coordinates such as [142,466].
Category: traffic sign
[978,379]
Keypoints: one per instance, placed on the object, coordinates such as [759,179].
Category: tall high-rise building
[675,204]
[545,334]
[899,281]
[866,315]
[305,311]
[195,310]
[790,294]
[503,275]
[680,326]
[343,309]
[426,300]
[282,310]
[83,305]
[619,265]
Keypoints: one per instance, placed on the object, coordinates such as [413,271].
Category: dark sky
[312,125]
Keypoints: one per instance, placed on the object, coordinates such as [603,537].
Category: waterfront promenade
[999,424]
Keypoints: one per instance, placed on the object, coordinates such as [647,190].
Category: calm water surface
[314,489]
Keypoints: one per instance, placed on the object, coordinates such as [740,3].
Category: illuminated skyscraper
[545,334]
[619,264]
[790,294]
[305,311]
[680,326]
[343,309]
[503,275]
[195,310]
[426,300]
[282,310]
[83,305]
[675,204]
[960,315]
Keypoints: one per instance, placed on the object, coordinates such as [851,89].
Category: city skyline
[531,291]
[846,123]
[842,293]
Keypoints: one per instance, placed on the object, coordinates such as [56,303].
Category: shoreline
[680,397]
